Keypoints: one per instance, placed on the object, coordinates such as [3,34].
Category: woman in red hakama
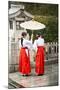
[24,58]
[24,62]
[39,69]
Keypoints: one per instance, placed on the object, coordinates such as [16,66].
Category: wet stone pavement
[50,78]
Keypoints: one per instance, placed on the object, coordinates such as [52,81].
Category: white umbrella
[32,25]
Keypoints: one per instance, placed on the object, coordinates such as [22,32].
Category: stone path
[50,78]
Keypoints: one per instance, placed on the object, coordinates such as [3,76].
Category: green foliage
[47,14]
[42,9]
[50,33]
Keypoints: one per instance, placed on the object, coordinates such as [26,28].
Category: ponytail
[22,41]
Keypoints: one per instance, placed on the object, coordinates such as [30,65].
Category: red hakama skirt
[40,60]
[24,62]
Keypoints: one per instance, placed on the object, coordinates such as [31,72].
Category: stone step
[49,61]
[13,84]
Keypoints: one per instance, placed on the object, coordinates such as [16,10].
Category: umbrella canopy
[32,25]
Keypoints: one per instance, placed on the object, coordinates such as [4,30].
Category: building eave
[14,14]
[28,14]
[17,12]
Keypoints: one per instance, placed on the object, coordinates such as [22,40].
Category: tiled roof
[15,11]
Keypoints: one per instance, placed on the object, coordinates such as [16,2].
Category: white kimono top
[26,43]
[38,42]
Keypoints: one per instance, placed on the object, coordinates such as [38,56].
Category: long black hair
[22,41]
[23,34]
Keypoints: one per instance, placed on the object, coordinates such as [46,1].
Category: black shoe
[40,74]
[27,75]
[23,75]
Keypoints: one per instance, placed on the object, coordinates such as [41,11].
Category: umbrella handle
[32,36]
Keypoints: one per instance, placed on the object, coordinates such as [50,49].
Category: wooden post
[14,28]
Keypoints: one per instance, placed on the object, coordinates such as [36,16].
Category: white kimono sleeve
[29,44]
[35,45]
[19,43]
